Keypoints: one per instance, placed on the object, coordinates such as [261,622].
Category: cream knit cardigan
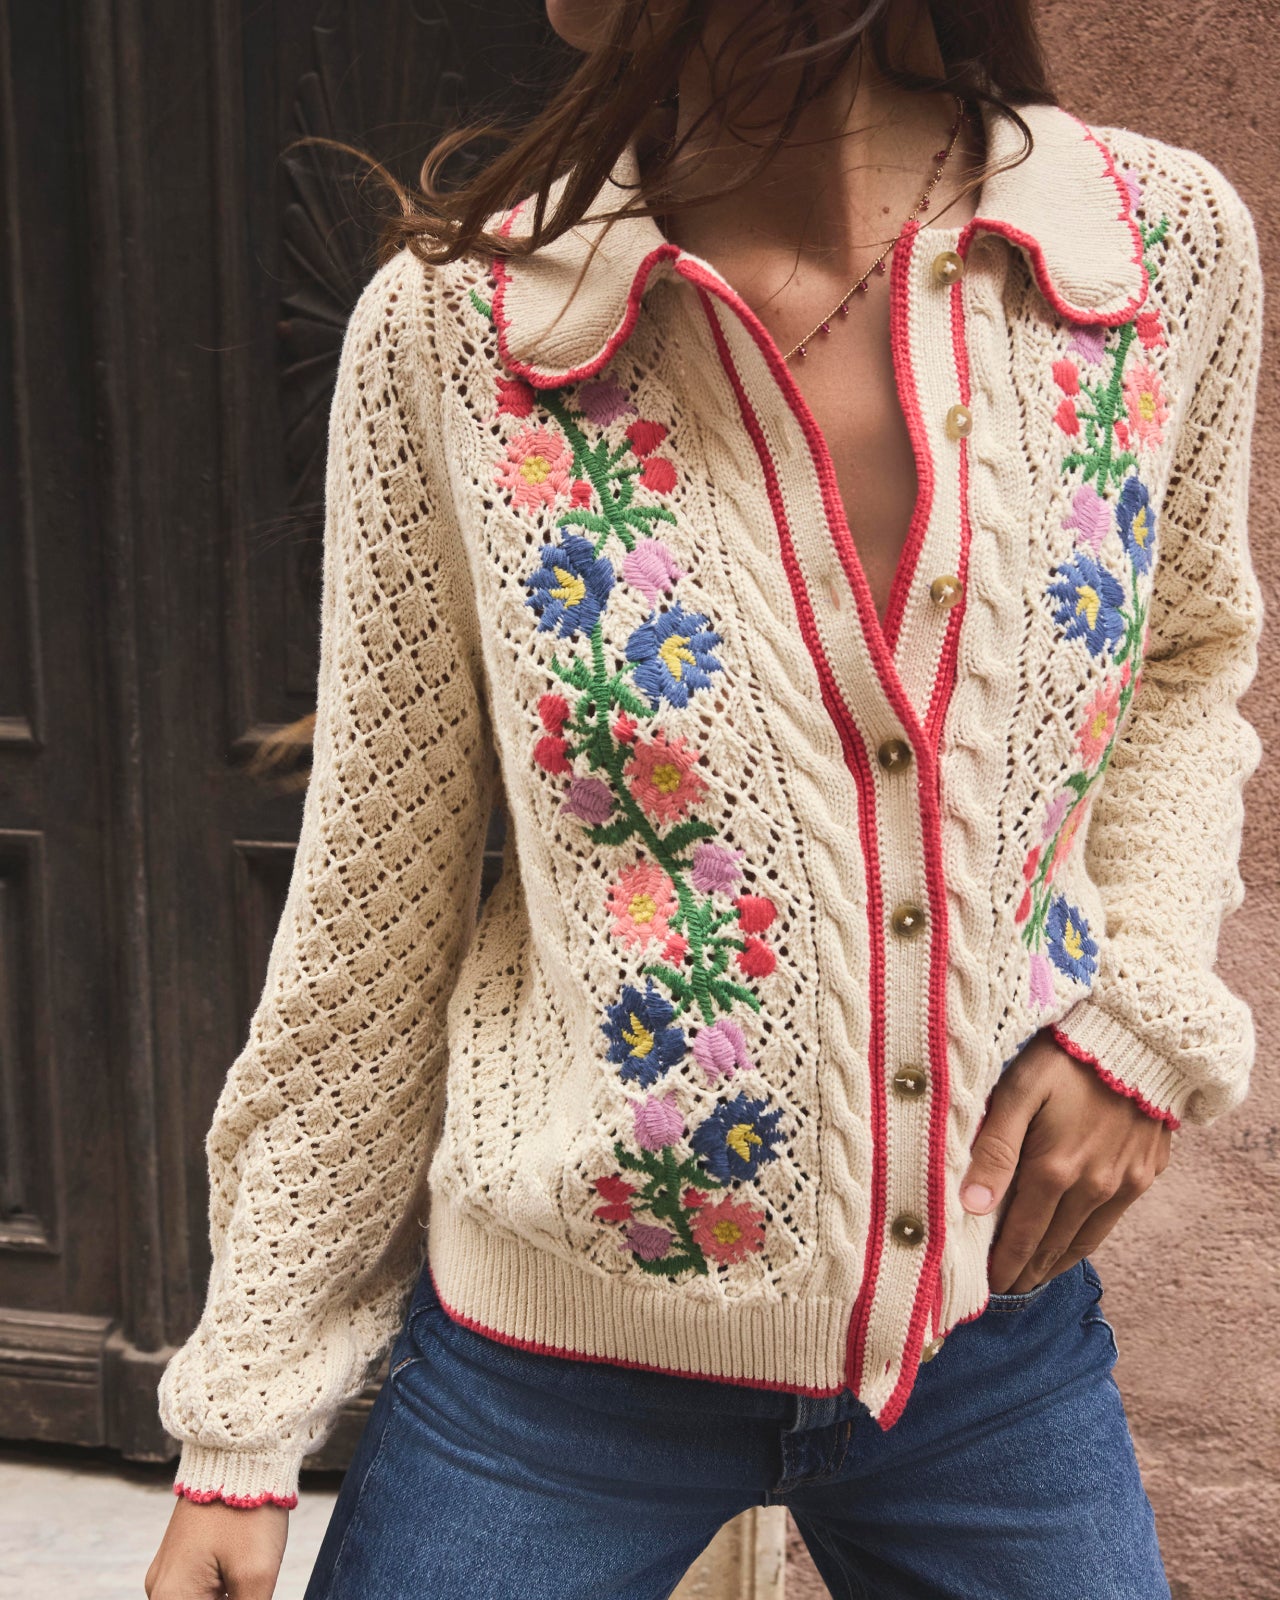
[784,889]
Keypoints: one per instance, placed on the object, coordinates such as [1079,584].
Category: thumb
[994,1157]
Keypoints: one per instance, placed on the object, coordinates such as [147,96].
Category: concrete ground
[77,1525]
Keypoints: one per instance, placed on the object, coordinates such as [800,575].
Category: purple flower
[715,866]
[658,1121]
[1042,993]
[604,400]
[1088,341]
[651,568]
[1053,816]
[590,799]
[720,1050]
[649,1241]
[1090,516]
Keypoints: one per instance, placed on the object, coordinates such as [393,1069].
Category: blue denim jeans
[487,1472]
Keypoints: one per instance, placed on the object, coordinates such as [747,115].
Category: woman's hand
[216,1550]
[1082,1154]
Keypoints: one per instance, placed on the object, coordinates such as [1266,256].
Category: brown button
[910,1081]
[948,268]
[907,1228]
[959,422]
[945,590]
[907,920]
[931,1349]
[894,754]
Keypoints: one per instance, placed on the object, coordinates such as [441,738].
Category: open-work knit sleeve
[324,1126]
[1164,839]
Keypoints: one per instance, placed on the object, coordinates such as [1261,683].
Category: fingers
[994,1157]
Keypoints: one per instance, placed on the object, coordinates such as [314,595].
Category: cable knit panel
[784,889]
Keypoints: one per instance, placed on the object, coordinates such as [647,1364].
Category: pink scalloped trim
[1112,1082]
[242,1502]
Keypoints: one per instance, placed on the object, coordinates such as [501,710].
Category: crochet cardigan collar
[1065,206]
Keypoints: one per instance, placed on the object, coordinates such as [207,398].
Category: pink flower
[1090,516]
[648,1240]
[536,468]
[1066,376]
[729,1229]
[1032,862]
[658,1122]
[642,901]
[580,492]
[1099,723]
[1151,330]
[662,777]
[515,397]
[715,866]
[1024,907]
[693,1198]
[1053,816]
[554,711]
[1122,432]
[604,400]
[658,474]
[1066,837]
[645,437]
[1133,184]
[720,1050]
[625,727]
[1066,418]
[675,949]
[1041,979]
[1144,400]
[755,912]
[651,568]
[757,960]
[589,799]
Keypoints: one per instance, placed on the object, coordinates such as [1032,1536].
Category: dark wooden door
[175,290]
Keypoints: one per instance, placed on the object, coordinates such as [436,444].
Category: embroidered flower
[581,492]
[570,587]
[715,866]
[693,1198]
[756,959]
[1151,330]
[1053,816]
[721,1049]
[651,568]
[658,1122]
[552,754]
[604,400]
[1099,724]
[658,474]
[536,468]
[1067,376]
[1089,599]
[729,1229]
[1042,990]
[553,709]
[1145,403]
[1090,516]
[1070,948]
[755,912]
[588,799]
[645,437]
[662,778]
[737,1137]
[1065,839]
[1137,522]
[673,655]
[515,397]
[1088,341]
[641,901]
[1066,418]
[674,949]
[617,1193]
[625,727]
[1133,184]
[649,1241]
[642,1034]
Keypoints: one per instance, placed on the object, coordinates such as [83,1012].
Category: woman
[787,501]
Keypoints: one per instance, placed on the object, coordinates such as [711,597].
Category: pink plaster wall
[1191,1274]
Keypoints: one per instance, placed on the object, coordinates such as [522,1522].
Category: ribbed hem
[239,1478]
[1124,1061]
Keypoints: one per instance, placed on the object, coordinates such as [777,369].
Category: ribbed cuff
[1124,1062]
[241,1478]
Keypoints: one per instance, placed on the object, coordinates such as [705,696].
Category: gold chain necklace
[878,265]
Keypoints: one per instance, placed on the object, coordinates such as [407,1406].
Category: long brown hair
[991,51]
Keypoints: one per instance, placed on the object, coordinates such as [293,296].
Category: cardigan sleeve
[321,1134]
[1163,844]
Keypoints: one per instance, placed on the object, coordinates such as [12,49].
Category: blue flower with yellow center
[570,588]
[673,650]
[1137,522]
[737,1137]
[641,1036]
[1070,948]
[1089,605]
